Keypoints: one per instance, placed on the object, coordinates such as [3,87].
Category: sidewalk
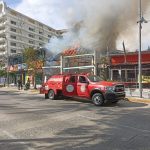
[133,95]
[138,100]
[15,89]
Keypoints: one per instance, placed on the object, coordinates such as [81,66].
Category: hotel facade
[18,32]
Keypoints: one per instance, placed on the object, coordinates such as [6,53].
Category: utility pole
[141,20]
[139,53]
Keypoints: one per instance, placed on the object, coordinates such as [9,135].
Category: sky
[12,3]
[45,12]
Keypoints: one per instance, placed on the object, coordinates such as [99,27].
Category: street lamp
[141,20]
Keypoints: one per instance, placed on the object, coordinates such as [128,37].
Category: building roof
[131,58]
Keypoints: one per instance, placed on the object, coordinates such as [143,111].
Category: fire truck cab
[83,86]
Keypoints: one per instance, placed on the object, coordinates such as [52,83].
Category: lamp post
[141,20]
[139,54]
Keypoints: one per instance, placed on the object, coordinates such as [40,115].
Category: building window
[13,44]
[13,30]
[31,29]
[31,35]
[50,29]
[40,32]
[49,36]
[40,38]
[31,42]
[13,37]
[13,22]
[13,51]
[40,44]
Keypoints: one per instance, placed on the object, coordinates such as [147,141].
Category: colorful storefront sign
[145,79]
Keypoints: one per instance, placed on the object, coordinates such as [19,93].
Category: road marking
[14,137]
[112,124]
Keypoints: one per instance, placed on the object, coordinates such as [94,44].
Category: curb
[138,100]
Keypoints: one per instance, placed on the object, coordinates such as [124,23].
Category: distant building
[18,31]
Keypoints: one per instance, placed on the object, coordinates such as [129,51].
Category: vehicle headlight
[110,88]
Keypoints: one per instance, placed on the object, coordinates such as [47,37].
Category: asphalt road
[29,122]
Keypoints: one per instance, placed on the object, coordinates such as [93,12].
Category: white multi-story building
[18,32]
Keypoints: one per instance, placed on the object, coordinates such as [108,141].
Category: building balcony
[2,54]
[2,47]
[2,40]
[2,26]
[2,33]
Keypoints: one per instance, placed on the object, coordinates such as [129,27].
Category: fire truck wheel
[51,95]
[97,99]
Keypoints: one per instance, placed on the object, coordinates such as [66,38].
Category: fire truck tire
[51,95]
[46,96]
[115,102]
[98,99]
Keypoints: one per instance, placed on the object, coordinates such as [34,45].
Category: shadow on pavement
[125,103]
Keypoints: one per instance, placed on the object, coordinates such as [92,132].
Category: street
[29,122]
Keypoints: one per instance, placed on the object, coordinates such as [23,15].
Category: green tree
[2,73]
[2,70]
[30,57]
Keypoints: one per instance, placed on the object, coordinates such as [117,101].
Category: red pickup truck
[83,86]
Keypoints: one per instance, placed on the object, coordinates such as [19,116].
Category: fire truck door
[82,86]
[70,86]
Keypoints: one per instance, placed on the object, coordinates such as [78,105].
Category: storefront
[125,68]
[17,72]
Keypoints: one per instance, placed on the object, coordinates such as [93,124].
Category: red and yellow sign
[145,79]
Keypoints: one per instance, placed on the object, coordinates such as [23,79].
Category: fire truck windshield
[94,78]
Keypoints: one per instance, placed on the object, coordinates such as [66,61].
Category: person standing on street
[19,84]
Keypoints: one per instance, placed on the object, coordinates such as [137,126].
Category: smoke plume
[100,24]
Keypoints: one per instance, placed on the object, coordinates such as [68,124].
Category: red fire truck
[83,86]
